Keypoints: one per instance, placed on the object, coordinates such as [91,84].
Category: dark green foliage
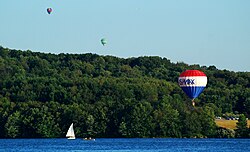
[104,96]
[199,122]
[242,128]
[225,133]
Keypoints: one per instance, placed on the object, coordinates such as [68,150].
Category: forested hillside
[41,94]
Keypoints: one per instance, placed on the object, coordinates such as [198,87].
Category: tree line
[41,94]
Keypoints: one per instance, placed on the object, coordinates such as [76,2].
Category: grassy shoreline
[229,124]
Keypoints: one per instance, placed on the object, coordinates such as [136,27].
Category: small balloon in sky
[49,10]
[103,41]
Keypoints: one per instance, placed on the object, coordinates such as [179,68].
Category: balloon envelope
[192,82]
[49,10]
[103,41]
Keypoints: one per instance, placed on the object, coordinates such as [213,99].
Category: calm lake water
[126,145]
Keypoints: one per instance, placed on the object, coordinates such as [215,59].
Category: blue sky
[205,32]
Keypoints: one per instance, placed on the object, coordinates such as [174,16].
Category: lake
[126,145]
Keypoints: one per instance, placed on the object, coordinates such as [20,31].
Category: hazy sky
[205,32]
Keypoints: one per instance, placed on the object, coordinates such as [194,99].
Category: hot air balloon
[49,10]
[103,41]
[192,82]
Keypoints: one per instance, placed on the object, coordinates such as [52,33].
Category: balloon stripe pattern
[192,82]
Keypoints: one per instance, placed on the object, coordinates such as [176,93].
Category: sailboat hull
[72,138]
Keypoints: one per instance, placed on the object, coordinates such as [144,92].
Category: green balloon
[103,41]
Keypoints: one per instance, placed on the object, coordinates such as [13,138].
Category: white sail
[71,134]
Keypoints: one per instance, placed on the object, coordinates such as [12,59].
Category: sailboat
[71,134]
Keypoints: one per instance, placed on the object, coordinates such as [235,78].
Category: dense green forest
[41,94]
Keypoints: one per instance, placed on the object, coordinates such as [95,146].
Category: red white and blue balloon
[192,82]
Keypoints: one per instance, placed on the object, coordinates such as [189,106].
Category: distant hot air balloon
[103,41]
[49,10]
[192,83]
